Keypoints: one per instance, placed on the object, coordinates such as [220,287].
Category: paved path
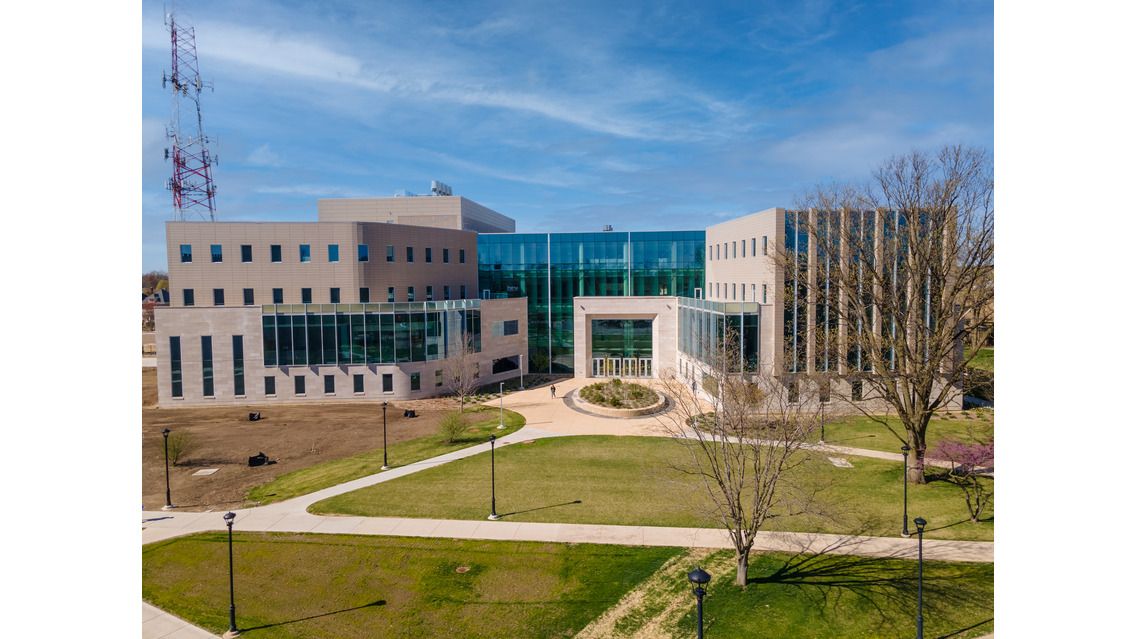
[159,624]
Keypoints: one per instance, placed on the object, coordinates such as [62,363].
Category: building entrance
[622,348]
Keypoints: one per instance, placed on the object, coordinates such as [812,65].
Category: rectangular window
[277,296]
[410,293]
[218,297]
[186,253]
[510,327]
[390,293]
[215,253]
[429,293]
[743,285]
[305,296]
[388,383]
[462,291]
[187,297]
[438,378]
[275,254]
[461,257]
[207,365]
[764,294]
[305,252]
[248,297]
[710,252]
[743,248]
[246,253]
[857,390]
[364,253]
[329,384]
[415,381]
[429,255]
[299,382]
[357,381]
[238,365]
[390,252]
[445,256]
[332,252]
[175,366]
[446,292]
[409,254]
[733,291]
[734,249]
[364,295]
[334,295]
[765,245]
[269,386]
[753,246]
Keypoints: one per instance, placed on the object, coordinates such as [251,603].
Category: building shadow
[380,602]
[529,510]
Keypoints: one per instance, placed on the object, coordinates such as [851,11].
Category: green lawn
[634,481]
[984,359]
[337,471]
[859,431]
[822,596]
[311,586]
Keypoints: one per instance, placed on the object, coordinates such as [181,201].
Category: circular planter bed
[617,398]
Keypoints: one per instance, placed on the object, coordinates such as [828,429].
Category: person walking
[553,389]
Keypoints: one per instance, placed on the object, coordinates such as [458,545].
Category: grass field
[859,431]
[334,586]
[483,423]
[984,359]
[634,481]
[829,596]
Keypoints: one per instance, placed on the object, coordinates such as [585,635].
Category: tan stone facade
[441,211]
[664,327]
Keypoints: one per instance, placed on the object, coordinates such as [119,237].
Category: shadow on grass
[529,510]
[962,630]
[981,520]
[380,602]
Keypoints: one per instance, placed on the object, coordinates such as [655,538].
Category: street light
[919,524]
[699,578]
[385,467]
[166,445]
[501,418]
[906,449]
[493,516]
[522,371]
[232,631]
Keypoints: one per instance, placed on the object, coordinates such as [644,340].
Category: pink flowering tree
[970,462]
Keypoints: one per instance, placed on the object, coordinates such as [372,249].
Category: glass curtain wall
[702,325]
[335,334]
[796,290]
[553,268]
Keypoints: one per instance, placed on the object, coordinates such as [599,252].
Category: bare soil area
[293,436]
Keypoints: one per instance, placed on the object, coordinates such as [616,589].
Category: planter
[621,412]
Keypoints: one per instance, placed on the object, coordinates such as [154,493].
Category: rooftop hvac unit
[607,227]
[440,188]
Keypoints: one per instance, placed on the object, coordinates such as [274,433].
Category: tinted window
[446,292]
[415,381]
[238,365]
[186,253]
[390,252]
[429,254]
[329,383]
[332,252]
[461,256]
[269,385]
[275,253]
[410,254]
[187,297]
[364,254]
[214,252]
[388,383]
[445,256]
[410,293]
[305,252]
[175,366]
[306,296]
[299,384]
[334,295]
[246,252]
[218,297]
[248,297]
[510,327]
[207,365]
[277,296]
[390,293]
[358,381]
[429,293]
[364,295]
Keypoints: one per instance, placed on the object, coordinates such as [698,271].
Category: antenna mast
[192,182]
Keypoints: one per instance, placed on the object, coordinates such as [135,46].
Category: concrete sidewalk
[159,624]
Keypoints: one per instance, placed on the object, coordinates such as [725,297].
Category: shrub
[452,426]
[180,442]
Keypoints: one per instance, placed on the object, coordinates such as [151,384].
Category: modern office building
[372,300]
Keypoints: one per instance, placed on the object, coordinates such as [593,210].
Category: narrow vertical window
[446,291]
[388,383]
[215,253]
[390,252]
[438,378]
[410,254]
[175,366]
[743,248]
[277,296]
[429,255]
[364,253]
[429,293]
[305,252]
[186,253]
[334,295]
[364,295]
[415,381]
[329,384]
[390,293]
[218,297]
[246,253]
[275,254]
[306,296]
[238,365]
[463,291]
[764,294]
[332,252]
[445,256]
[207,365]
[461,256]
[269,386]
[765,245]
[753,246]
[187,297]
[410,293]
[299,385]
[357,380]
[248,297]
[733,291]
[734,249]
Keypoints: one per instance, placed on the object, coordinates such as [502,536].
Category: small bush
[452,426]
[180,442]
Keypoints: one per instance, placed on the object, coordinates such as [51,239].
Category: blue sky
[565,116]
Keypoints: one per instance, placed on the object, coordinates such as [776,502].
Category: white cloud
[263,155]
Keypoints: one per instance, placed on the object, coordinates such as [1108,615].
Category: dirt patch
[293,435]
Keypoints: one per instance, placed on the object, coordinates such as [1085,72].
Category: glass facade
[207,365]
[702,324]
[238,365]
[337,334]
[175,366]
[621,338]
[551,269]
[796,291]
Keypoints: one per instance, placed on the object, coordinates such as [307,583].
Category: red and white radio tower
[192,182]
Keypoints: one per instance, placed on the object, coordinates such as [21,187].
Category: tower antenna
[192,181]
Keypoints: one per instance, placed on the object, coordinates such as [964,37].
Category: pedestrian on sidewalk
[553,389]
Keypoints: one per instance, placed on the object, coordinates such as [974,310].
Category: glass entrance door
[644,367]
[629,369]
[614,368]
[597,367]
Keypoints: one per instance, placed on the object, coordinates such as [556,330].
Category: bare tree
[904,276]
[462,371]
[745,446]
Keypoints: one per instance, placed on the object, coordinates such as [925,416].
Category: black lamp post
[385,467]
[501,418]
[919,524]
[699,578]
[232,631]
[906,449]
[493,516]
[166,445]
